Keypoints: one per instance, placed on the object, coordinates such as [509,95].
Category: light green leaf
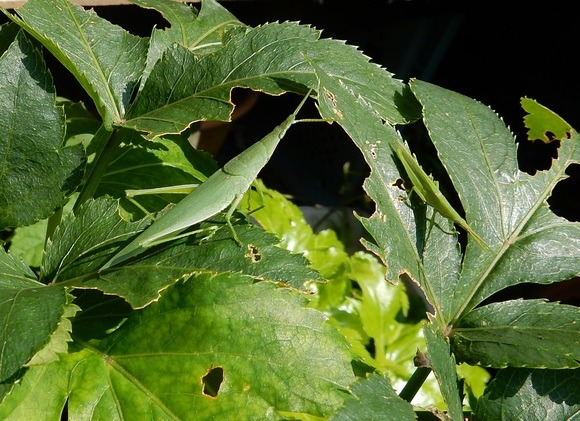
[267,353]
[182,88]
[105,59]
[520,333]
[534,395]
[505,206]
[374,399]
[543,123]
[30,313]
[36,172]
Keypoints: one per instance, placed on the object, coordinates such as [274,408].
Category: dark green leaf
[36,172]
[30,313]
[374,399]
[182,89]
[444,367]
[505,206]
[201,33]
[531,395]
[520,333]
[105,59]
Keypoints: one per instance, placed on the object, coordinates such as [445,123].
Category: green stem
[415,383]
[106,148]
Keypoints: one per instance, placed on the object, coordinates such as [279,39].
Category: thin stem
[106,148]
[415,383]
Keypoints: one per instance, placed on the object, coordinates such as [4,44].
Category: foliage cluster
[284,324]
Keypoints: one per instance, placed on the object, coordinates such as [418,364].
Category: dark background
[493,51]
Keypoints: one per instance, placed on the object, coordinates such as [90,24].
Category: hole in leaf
[212,381]
[253,253]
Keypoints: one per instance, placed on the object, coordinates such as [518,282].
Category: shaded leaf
[144,164]
[30,313]
[518,394]
[105,59]
[36,172]
[82,242]
[374,399]
[520,333]
[273,355]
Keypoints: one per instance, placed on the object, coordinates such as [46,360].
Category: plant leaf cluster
[199,327]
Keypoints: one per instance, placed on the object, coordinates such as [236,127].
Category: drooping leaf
[265,351]
[36,172]
[105,59]
[520,333]
[30,312]
[528,394]
[374,399]
[183,88]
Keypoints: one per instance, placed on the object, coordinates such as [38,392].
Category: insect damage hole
[212,381]
[253,254]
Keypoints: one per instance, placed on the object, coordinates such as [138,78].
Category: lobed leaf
[82,244]
[36,172]
[520,333]
[269,353]
[506,207]
[183,88]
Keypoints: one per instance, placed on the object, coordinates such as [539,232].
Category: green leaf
[60,338]
[30,313]
[444,367]
[535,395]
[36,173]
[374,399]
[144,164]
[202,32]
[83,243]
[505,206]
[520,333]
[266,352]
[543,123]
[105,59]
[183,88]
